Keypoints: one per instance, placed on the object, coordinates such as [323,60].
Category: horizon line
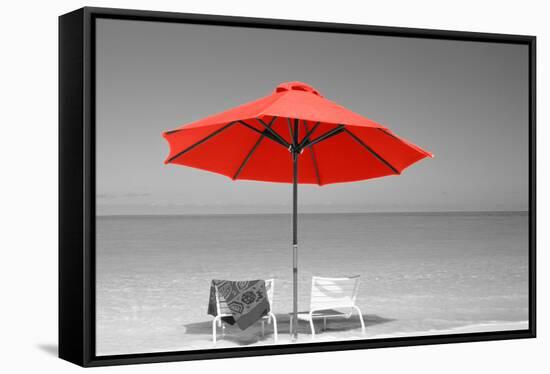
[315,213]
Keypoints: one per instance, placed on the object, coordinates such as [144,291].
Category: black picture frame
[77,185]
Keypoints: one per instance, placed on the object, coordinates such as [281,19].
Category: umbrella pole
[294,332]
[295,155]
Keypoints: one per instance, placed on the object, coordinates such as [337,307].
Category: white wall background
[28,206]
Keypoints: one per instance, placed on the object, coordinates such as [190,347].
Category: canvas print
[269,187]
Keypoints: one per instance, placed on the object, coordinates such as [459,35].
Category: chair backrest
[269,286]
[223,309]
[333,293]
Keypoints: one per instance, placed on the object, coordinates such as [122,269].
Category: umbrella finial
[296,86]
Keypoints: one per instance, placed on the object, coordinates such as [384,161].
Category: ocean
[421,273]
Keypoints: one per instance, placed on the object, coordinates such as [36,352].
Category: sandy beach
[199,335]
[443,273]
[337,329]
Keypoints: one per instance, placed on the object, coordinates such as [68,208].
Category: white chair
[331,297]
[222,310]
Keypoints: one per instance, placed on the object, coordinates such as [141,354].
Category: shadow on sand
[252,335]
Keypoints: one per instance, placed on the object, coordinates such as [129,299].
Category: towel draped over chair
[246,301]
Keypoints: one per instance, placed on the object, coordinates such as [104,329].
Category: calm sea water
[419,272]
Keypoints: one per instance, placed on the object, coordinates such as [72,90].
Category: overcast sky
[466,102]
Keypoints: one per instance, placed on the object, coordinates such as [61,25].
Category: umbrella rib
[312,152]
[308,134]
[206,138]
[296,133]
[403,142]
[249,126]
[275,134]
[265,132]
[372,152]
[252,150]
[290,128]
[335,131]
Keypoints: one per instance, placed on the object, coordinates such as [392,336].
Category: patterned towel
[247,301]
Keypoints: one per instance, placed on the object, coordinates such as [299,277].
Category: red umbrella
[294,135]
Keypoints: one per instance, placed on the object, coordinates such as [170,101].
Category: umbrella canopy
[252,141]
[294,135]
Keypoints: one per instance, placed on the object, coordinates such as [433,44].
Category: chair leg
[214,330]
[291,318]
[360,318]
[324,323]
[272,316]
[263,328]
[223,329]
[312,328]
